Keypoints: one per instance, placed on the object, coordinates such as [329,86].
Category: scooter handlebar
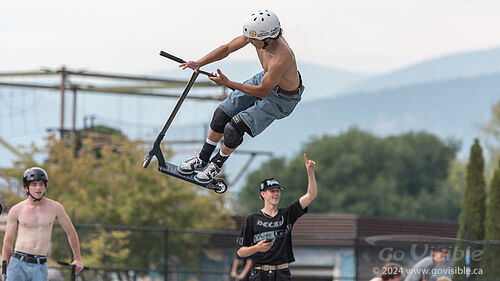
[179,60]
[172,57]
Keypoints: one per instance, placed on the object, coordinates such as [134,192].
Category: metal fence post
[73,220]
[356,249]
[165,250]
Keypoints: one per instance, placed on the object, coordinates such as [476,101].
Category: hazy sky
[126,36]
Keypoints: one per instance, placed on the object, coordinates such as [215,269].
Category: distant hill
[462,65]
[324,82]
[449,109]
[320,81]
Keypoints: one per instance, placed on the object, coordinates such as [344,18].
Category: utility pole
[62,86]
[73,121]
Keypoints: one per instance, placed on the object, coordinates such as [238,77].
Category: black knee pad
[219,121]
[234,131]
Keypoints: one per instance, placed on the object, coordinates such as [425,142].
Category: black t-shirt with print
[259,226]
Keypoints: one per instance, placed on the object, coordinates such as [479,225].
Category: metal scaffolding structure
[140,86]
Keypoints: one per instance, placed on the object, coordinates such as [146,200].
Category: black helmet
[34,174]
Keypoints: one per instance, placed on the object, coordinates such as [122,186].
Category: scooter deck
[217,185]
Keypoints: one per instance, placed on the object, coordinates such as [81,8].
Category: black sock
[207,150]
[219,159]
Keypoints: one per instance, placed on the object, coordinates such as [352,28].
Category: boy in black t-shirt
[267,235]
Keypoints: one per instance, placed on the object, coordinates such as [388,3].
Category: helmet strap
[266,43]
[35,199]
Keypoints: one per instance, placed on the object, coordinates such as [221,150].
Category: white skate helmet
[262,24]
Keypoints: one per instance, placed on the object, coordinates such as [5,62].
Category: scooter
[217,185]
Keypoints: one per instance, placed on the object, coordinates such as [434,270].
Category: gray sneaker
[191,165]
[208,173]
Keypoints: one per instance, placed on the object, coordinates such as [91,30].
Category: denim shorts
[259,113]
[20,270]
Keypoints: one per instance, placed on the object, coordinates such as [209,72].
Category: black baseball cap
[270,184]
[440,248]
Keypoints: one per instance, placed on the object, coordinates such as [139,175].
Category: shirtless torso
[34,225]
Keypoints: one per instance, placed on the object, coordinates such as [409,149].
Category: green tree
[106,184]
[473,207]
[492,140]
[492,228]
[357,172]
[492,129]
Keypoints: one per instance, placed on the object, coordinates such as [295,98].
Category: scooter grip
[69,264]
[172,57]
[4,270]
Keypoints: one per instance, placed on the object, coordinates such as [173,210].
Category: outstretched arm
[312,187]
[217,54]
[67,225]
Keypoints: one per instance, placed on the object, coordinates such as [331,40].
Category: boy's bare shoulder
[15,210]
[53,203]
[19,206]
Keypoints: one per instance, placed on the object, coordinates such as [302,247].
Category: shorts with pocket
[259,113]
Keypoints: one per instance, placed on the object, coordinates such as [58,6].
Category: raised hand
[310,164]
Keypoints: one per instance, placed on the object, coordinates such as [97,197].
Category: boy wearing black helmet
[33,219]
[269,95]
[267,235]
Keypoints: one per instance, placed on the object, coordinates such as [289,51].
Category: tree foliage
[492,129]
[491,140]
[106,184]
[492,228]
[473,206]
[357,172]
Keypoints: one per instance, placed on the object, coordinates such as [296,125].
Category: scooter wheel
[220,187]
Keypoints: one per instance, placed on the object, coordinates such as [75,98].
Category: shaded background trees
[357,172]
[103,182]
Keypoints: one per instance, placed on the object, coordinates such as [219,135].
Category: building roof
[343,229]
